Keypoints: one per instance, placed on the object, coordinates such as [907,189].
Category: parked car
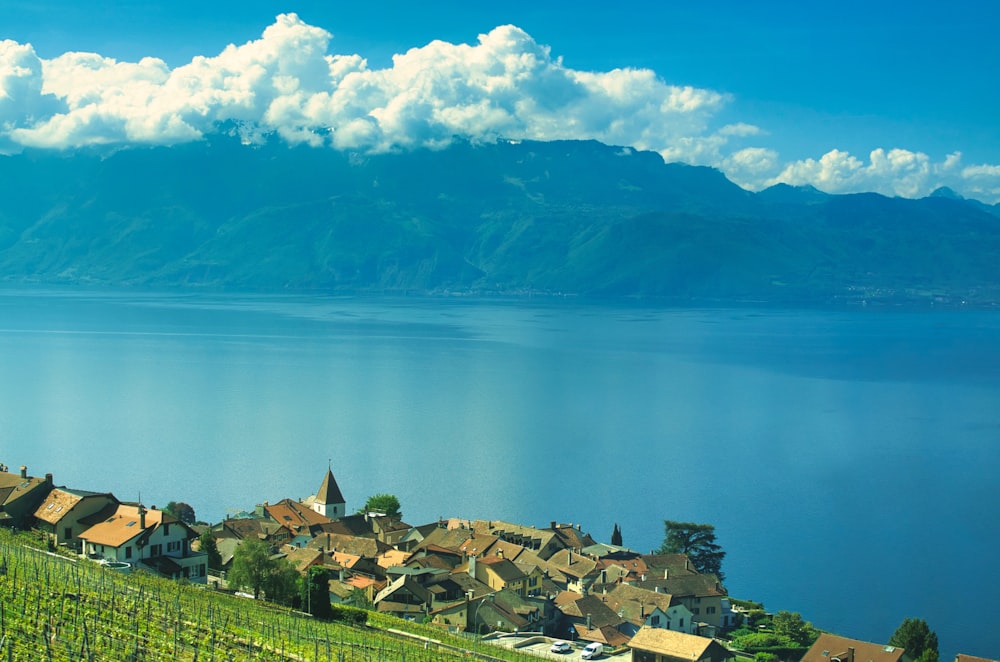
[560,647]
[592,651]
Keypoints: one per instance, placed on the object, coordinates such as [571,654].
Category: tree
[206,542]
[283,584]
[316,593]
[182,511]
[358,598]
[254,569]
[616,536]
[251,566]
[791,624]
[917,639]
[697,541]
[387,504]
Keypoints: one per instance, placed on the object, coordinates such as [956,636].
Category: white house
[158,541]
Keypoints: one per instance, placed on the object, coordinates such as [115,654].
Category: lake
[848,459]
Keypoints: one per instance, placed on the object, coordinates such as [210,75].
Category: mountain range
[570,218]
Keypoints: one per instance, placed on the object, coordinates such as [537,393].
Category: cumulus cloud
[286,82]
[504,85]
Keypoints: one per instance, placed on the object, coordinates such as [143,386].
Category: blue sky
[846,96]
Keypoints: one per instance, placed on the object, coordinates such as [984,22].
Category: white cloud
[896,172]
[504,85]
[286,82]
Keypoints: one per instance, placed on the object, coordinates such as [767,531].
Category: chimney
[552,525]
[643,576]
[666,573]
[472,567]
[589,627]
[340,575]
[48,478]
[850,654]
[642,610]
[24,471]
[687,564]
[142,516]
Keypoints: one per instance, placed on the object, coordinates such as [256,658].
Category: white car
[592,651]
[560,647]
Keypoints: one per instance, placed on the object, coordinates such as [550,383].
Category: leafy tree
[182,511]
[386,504]
[919,641]
[616,536]
[358,598]
[790,624]
[697,541]
[206,541]
[283,583]
[252,565]
[316,593]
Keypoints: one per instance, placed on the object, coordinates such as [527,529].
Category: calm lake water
[848,459]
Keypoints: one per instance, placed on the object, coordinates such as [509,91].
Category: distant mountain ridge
[565,217]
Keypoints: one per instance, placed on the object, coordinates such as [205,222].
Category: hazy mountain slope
[576,217]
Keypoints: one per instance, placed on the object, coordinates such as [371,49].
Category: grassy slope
[62,609]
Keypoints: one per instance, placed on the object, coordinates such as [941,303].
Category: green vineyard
[58,608]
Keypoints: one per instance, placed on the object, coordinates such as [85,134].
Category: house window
[681,623]
[128,552]
[68,533]
[709,610]
[173,545]
[655,620]
[156,550]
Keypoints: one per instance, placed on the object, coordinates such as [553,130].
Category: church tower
[329,501]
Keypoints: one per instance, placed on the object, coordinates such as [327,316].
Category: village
[556,587]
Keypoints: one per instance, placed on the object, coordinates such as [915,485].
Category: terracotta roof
[636,603]
[124,526]
[573,564]
[675,644]
[658,565]
[392,557]
[504,569]
[366,547]
[253,527]
[302,558]
[829,648]
[590,605]
[294,515]
[605,634]
[699,586]
[57,505]
[970,658]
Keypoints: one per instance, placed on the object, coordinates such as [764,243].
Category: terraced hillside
[55,608]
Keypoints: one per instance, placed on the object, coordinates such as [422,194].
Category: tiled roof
[124,525]
[829,648]
[294,515]
[658,565]
[970,658]
[699,586]
[590,605]
[57,505]
[504,569]
[636,603]
[367,547]
[675,644]
[573,564]
[605,634]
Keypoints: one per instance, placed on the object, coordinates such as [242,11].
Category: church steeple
[329,501]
